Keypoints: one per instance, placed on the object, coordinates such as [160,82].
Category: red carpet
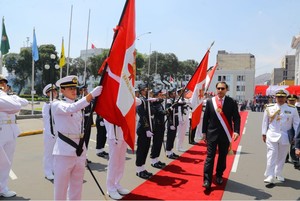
[182,179]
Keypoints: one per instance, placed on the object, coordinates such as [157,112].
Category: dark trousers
[223,146]
[101,135]
[192,133]
[143,145]
[295,159]
[157,141]
[87,130]
[171,135]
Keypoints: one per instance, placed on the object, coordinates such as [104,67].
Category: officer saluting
[278,119]
[69,124]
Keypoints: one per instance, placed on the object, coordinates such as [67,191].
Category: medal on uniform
[278,118]
[219,110]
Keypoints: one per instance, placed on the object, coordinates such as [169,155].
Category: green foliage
[21,66]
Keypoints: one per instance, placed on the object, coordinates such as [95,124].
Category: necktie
[221,101]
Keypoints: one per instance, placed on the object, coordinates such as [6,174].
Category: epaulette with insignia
[291,105]
[271,104]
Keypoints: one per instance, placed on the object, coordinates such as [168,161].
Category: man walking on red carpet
[220,112]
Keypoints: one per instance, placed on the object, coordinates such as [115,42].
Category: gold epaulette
[272,117]
[269,105]
[291,105]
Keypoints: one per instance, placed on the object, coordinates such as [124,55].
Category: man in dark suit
[297,142]
[220,112]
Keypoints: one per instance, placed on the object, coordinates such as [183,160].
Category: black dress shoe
[206,185]
[144,174]
[102,154]
[219,180]
[161,163]
[173,156]
[157,165]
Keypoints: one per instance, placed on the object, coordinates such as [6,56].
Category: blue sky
[264,28]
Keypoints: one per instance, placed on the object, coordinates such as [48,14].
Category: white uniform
[49,140]
[68,167]
[277,121]
[117,154]
[9,131]
[182,128]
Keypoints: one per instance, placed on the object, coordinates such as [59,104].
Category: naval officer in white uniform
[9,131]
[278,119]
[117,148]
[68,117]
[49,133]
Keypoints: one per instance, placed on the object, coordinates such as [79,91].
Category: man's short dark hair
[222,82]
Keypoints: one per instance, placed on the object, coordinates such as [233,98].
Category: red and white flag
[197,85]
[209,77]
[93,46]
[116,103]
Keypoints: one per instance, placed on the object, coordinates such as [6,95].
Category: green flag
[4,40]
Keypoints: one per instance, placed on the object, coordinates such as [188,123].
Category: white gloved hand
[172,127]
[149,133]
[152,99]
[96,91]
[101,123]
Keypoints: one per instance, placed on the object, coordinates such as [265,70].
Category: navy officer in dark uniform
[144,134]
[158,128]
[172,124]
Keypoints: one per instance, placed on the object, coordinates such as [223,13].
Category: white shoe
[269,179]
[50,177]
[8,194]
[181,150]
[114,195]
[123,191]
[280,178]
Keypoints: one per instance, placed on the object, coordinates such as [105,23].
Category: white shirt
[68,118]
[277,120]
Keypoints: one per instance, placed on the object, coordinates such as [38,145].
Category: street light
[54,64]
[139,36]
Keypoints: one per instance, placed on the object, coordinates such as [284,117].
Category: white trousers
[7,151]
[68,177]
[49,142]
[116,164]
[276,154]
[181,131]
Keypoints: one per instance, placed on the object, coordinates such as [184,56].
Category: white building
[238,71]
[296,45]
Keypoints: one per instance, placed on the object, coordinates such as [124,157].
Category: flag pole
[193,75]
[60,70]
[32,79]
[70,30]
[86,47]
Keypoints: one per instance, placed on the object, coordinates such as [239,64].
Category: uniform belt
[9,121]
[73,136]
[87,114]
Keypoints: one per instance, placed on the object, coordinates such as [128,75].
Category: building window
[241,78]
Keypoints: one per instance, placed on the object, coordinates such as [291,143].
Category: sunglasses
[221,88]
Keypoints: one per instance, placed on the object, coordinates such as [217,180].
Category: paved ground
[245,182]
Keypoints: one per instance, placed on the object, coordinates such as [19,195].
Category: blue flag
[35,51]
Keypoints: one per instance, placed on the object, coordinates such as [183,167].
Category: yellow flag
[62,60]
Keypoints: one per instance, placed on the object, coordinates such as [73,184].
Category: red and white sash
[221,116]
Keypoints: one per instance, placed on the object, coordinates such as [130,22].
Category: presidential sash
[221,116]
